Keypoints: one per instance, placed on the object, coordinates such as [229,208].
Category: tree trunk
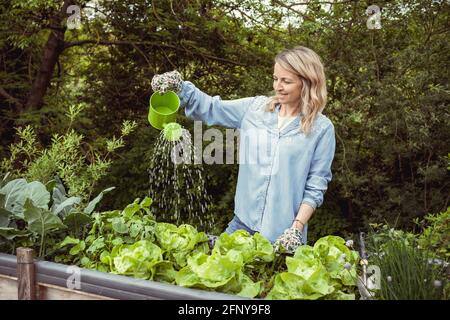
[52,50]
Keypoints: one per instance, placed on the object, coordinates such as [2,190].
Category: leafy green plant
[108,230]
[236,265]
[30,213]
[26,204]
[142,259]
[131,242]
[218,272]
[380,234]
[412,266]
[66,157]
[326,271]
[179,242]
[435,236]
[408,273]
[253,248]
[260,261]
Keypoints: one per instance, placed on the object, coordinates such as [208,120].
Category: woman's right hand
[289,241]
[169,81]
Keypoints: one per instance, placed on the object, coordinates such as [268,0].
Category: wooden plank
[51,292]
[25,274]
[8,287]
[8,291]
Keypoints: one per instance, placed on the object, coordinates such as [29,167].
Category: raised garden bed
[51,284]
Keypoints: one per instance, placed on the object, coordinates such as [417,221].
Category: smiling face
[287,86]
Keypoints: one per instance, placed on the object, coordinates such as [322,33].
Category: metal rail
[110,285]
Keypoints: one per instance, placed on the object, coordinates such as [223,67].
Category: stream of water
[177,185]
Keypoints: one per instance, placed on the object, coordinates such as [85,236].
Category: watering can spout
[172,131]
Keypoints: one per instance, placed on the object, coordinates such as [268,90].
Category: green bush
[69,156]
[436,236]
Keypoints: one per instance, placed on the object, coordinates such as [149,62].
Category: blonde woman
[277,195]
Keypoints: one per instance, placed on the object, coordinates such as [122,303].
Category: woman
[276,197]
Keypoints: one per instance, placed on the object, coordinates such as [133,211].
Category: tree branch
[308,2]
[134,43]
[292,5]
[142,53]
[233,8]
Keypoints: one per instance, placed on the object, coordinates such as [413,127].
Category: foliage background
[388,90]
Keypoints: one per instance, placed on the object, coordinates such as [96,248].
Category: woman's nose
[278,86]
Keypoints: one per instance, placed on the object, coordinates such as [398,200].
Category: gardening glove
[211,240]
[169,81]
[289,241]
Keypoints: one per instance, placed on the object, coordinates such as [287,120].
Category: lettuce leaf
[325,271]
[334,254]
[180,242]
[139,259]
[253,248]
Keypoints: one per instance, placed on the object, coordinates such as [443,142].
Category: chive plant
[407,272]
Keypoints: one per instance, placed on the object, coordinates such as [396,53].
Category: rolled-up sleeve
[213,110]
[320,170]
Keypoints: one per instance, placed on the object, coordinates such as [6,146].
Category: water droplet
[177,185]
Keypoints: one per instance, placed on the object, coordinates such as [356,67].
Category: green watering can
[163,112]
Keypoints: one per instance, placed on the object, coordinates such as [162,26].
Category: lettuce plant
[253,248]
[218,272]
[131,242]
[179,242]
[138,260]
[325,271]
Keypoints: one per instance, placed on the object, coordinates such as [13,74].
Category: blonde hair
[308,66]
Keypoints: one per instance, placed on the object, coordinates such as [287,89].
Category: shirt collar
[278,106]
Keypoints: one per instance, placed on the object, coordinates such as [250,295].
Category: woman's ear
[301,84]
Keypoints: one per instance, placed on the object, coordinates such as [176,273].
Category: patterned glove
[289,241]
[212,240]
[167,81]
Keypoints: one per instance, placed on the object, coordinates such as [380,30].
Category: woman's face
[287,86]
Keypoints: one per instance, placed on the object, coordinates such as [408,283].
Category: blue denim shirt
[278,170]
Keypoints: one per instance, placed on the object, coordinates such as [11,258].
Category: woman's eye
[285,81]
